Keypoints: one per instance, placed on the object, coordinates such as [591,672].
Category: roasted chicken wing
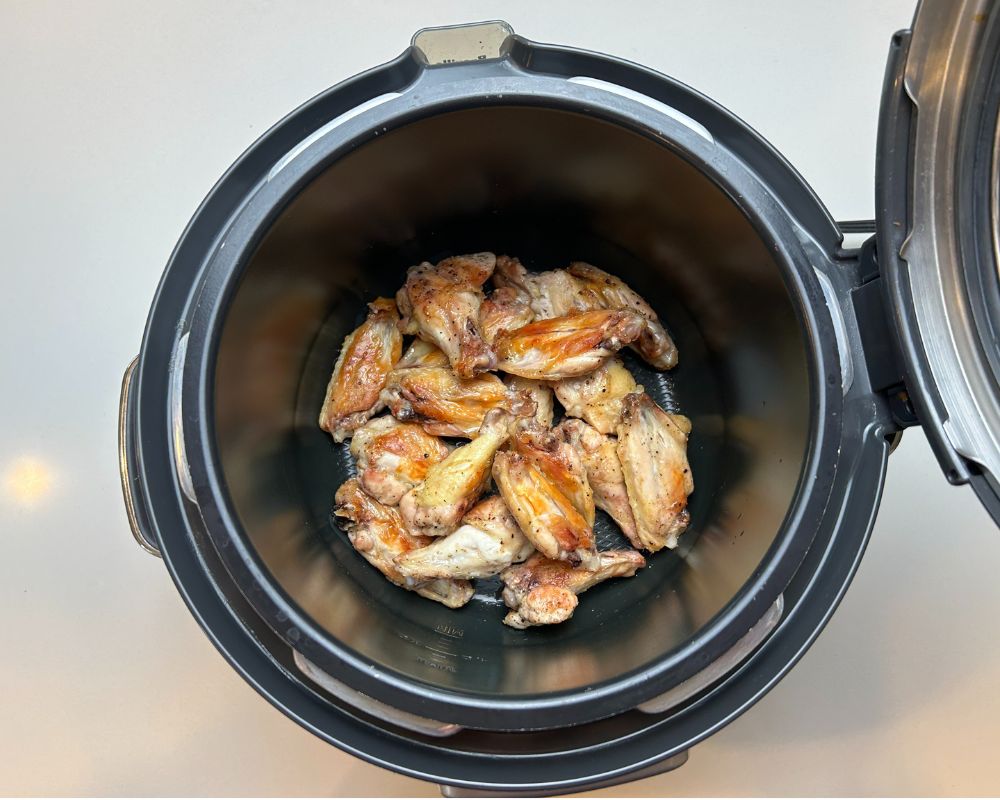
[445,405]
[392,457]
[597,396]
[567,346]
[604,473]
[549,294]
[422,354]
[544,592]
[558,460]
[366,358]
[436,506]
[443,303]
[654,344]
[583,287]
[539,393]
[652,449]
[377,532]
[546,516]
[487,541]
[506,309]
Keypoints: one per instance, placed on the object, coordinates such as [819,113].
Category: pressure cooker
[803,360]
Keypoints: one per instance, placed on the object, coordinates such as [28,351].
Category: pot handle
[457,44]
[666,765]
[126,461]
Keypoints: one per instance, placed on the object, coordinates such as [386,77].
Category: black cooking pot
[476,139]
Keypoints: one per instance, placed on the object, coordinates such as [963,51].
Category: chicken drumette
[544,592]
[378,533]
[366,359]
[441,304]
[392,457]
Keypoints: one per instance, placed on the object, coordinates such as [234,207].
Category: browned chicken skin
[487,541]
[556,335]
[597,397]
[506,308]
[436,506]
[366,358]
[392,457]
[583,287]
[567,346]
[654,344]
[558,460]
[544,592]
[377,532]
[443,404]
[652,449]
[604,473]
[441,304]
[546,516]
[422,354]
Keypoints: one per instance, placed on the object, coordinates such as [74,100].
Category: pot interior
[548,186]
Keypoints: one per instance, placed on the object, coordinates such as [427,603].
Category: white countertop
[118,118]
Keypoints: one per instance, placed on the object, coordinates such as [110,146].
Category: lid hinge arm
[882,358]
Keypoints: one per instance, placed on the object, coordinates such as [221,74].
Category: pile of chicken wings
[420,509]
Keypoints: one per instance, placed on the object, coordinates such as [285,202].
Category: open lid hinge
[882,357]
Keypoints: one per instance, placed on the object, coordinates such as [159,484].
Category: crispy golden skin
[567,346]
[445,405]
[443,303]
[584,287]
[506,309]
[544,592]
[597,396]
[652,449]
[487,542]
[540,394]
[654,344]
[422,354]
[365,361]
[392,457]
[377,532]
[546,516]
[558,460]
[604,473]
[436,506]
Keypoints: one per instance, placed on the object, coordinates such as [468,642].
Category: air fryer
[801,361]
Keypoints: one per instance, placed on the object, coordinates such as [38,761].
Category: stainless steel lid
[939,236]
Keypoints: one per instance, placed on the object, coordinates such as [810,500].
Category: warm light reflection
[28,480]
